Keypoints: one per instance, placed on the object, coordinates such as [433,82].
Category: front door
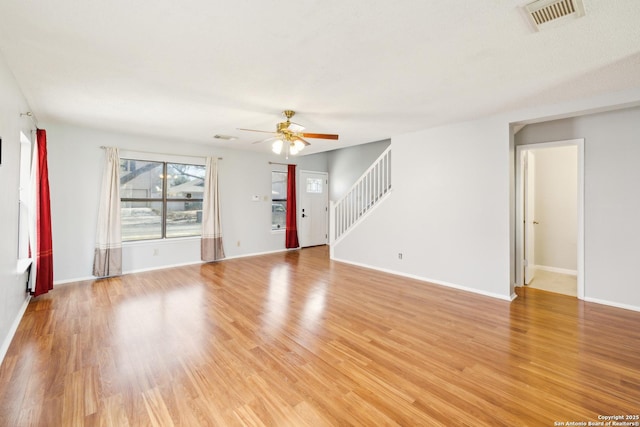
[313,208]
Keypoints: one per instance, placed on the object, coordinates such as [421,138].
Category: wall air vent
[544,12]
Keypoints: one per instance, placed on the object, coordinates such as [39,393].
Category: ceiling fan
[290,136]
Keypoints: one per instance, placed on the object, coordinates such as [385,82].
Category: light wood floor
[294,339]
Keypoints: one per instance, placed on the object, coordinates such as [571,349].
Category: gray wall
[611,198]
[75,173]
[451,210]
[13,296]
[448,212]
[347,165]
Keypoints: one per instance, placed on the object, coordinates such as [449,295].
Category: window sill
[278,231]
[23,265]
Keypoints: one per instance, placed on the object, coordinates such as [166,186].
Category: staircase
[364,195]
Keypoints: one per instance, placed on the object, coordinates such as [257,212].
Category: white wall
[75,168]
[611,199]
[556,207]
[13,296]
[346,165]
[448,213]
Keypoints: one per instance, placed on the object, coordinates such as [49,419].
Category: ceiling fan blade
[273,138]
[319,135]
[306,143]
[295,127]
[254,130]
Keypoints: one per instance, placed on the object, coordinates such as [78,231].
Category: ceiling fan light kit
[292,148]
[277,146]
[290,136]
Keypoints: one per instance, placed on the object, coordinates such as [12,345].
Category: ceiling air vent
[543,12]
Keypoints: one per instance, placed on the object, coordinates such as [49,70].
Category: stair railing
[369,189]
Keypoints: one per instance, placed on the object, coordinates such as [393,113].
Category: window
[314,185]
[278,200]
[160,200]
[26,199]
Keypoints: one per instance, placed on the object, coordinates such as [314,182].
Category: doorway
[313,209]
[549,234]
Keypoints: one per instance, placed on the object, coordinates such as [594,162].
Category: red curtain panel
[291,239]
[44,252]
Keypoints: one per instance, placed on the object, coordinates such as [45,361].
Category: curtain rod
[31,116]
[162,154]
[283,164]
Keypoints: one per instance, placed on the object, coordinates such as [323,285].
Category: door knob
[304,216]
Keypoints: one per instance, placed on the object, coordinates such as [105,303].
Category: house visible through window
[278,200]
[160,199]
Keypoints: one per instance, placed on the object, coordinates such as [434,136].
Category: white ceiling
[367,70]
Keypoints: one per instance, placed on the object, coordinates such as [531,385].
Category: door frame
[301,190]
[519,214]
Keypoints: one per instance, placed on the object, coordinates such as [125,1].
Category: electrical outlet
[399,255]
[238,244]
[156,252]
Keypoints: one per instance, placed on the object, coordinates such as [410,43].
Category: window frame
[279,200]
[165,200]
[25,201]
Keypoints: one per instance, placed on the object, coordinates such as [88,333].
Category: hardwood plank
[156,408]
[112,413]
[295,339]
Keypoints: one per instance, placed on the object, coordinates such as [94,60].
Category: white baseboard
[78,279]
[556,270]
[259,253]
[435,282]
[12,330]
[612,304]
[140,270]
[162,267]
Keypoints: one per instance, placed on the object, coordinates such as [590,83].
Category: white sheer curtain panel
[107,259]
[211,248]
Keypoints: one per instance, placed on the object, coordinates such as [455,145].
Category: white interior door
[529,216]
[313,208]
